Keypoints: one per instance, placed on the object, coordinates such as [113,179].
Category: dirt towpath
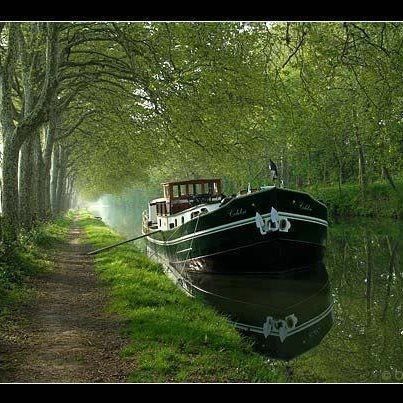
[66,336]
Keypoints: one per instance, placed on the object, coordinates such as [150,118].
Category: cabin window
[183,190]
[166,192]
[171,225]
[194,214]
[161,208]
[176,190]
[183,220]
[203,210]
[191,189]
[215,187]
[176,222]
[198,189]
[159,222]
[210,187]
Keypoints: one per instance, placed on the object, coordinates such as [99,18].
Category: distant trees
[322,99]
[96,107]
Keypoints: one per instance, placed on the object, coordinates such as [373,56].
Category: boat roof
[160,199]
[189,181]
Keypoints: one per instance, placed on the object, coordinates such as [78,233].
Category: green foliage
[181,100]
[174,337]
[29,257]
[141,103]
[48,235]
[380,200]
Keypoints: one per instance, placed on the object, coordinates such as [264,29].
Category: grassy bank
[174,337]
[29,257]
[380,201]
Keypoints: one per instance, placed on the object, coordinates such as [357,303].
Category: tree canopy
[97,107]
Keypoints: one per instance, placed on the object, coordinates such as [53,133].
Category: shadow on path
[66,336]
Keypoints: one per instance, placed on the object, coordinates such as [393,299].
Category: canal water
[362,277]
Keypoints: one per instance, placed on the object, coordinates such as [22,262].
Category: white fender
[268,326]
[260,223]
[274,223]
[283,330]
[280,327]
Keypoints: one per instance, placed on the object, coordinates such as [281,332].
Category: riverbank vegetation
[174,337]
[97,107]
[29,257]
[346,201]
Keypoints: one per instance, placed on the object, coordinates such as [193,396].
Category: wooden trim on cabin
[178,193]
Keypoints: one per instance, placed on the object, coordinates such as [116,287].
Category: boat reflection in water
[286,314]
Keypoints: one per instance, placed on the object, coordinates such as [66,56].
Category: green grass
[30,256]
[174,338]
[380,201]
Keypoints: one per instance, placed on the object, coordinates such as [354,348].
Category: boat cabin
[192,197]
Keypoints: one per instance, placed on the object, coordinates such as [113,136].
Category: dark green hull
[229,240]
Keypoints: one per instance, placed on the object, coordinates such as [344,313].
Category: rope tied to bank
[95,252]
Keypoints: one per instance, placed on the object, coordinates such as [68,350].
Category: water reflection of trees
[363,261]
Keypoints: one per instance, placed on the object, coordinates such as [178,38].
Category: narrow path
[66,336]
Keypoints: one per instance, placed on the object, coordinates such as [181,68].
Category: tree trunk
[40,180]
[61,180]
[51,133]
[63,202]
[340,175]
[10,149]
[10,190]
[70,194]
[47,165]
[26,185]
[16,133]
[54,177]
[47,188]
[362,174]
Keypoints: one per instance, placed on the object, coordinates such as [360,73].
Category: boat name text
[237,212]
[305,206]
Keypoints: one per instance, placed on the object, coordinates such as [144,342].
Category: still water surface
[363,262]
